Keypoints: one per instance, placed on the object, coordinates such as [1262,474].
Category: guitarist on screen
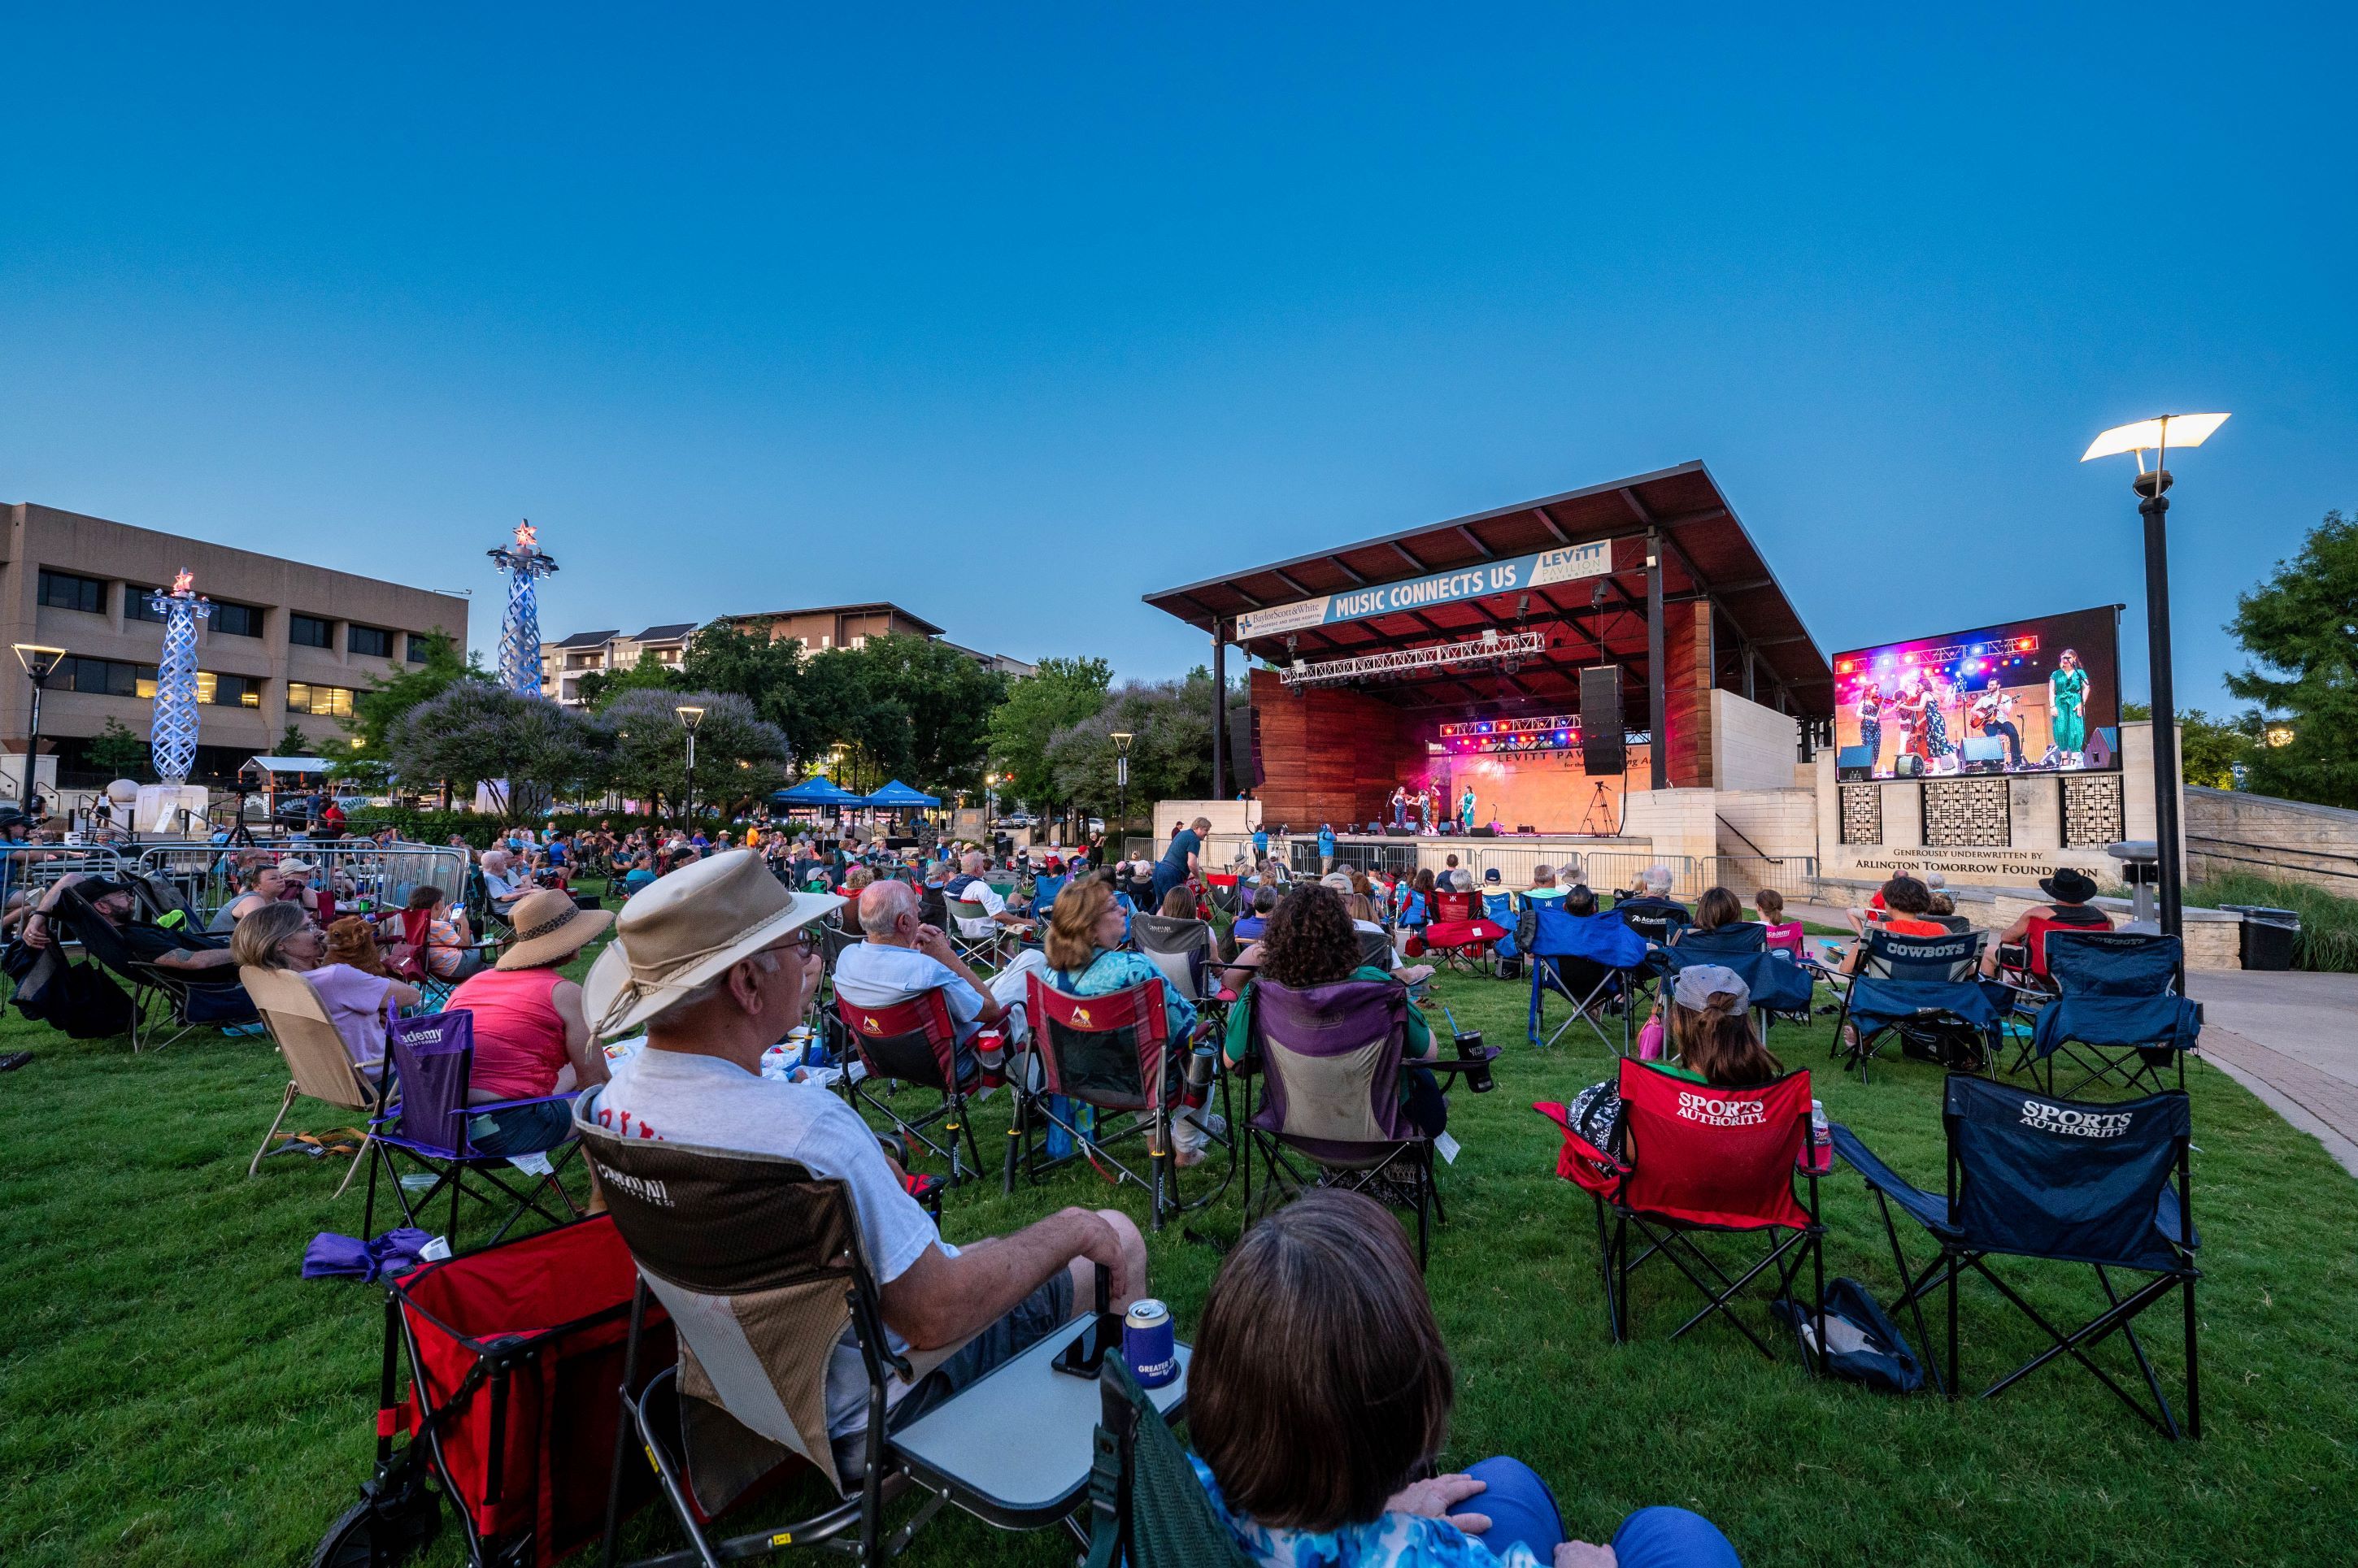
[1993,714]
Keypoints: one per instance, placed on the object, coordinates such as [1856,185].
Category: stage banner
[1566,563]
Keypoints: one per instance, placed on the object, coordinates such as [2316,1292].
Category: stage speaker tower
[1601,727]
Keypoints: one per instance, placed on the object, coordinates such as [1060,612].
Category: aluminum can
[1149,1344]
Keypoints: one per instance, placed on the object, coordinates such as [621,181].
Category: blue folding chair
[1778,984]
[1928,992]
[2061,1180]
[2117,1017]
[1044,889]
[1593,961]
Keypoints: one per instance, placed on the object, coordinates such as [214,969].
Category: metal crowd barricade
[33,869]
[1795,876]
[353,870]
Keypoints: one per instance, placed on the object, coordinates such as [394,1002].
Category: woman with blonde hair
[1083,946]
[281,936]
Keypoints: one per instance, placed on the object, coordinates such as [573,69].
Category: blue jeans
[526,1129]
[1521,1508]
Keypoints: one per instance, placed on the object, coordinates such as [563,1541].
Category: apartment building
[563,663]
[286,643]
[819,630]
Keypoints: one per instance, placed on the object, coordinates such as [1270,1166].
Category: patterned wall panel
[2093,812]
[1862,812]
[1961,812]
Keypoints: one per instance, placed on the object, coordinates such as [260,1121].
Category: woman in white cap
[532,1037]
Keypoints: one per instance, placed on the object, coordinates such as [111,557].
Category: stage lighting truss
[1507,648]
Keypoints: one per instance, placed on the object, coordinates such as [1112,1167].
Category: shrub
[2329,923]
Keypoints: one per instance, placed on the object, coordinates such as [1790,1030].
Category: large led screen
[2039,696]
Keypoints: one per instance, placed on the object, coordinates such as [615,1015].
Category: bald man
[899,956]
[969,886]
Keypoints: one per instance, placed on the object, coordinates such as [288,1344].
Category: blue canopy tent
[897,794]
[816,790]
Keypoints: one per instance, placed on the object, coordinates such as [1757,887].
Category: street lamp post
[1121,739]
[690,717]
[40,663]
[2153,505]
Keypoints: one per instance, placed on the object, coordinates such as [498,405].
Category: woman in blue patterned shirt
[1319,1398]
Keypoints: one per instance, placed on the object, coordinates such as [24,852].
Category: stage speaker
[1394,831]
[1984,755]
[1487,830]
[2104,748]
[1908,765]
[1526,828]
[1244,747]
[1602,749]
[1854,765]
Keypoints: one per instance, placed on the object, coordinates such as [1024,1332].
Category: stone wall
[1752,747]
[2227,831]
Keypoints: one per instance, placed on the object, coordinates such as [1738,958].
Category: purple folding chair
[1331,1059]
[432,1058]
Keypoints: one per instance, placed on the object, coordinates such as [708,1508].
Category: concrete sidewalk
[2290,1037]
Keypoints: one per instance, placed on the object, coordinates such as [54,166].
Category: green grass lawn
[171,1392]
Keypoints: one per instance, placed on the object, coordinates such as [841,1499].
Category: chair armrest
[1458,1063]
[490,1105]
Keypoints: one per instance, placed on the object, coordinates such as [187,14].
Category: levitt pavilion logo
[1565,564]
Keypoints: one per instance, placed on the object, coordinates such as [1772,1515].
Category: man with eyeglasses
[901,957]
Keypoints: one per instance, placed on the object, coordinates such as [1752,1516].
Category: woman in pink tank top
[529,1026]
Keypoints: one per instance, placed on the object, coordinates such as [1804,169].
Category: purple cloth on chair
[432,1056]
[334,1256]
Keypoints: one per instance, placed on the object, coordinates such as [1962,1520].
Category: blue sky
[1011,315]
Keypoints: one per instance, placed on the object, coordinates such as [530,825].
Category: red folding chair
[1695,1158]
[1113,1053]
[1459,934]
[914,1040]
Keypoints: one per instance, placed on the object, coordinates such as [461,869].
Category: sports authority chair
[1927,991]
[915,1042]
[1112,1053]
[1697,1159]
[2106,1186]
[1593,961]
[2118,1018]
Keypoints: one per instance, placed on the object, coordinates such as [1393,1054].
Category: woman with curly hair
[1310,941]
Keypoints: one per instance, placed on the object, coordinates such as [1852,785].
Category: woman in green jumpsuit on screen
[2068,688]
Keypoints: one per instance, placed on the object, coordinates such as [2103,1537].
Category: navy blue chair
[1593,961]
[1928,991]
[2107,1186]
[2117,1016]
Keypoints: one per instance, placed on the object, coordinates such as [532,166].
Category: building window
[374,642]
[229,691]
[237,620]
[106,677]
[418,646]
[311,631]
[64,591]
[138,604]
[328,701]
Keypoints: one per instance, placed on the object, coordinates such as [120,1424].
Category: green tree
[1064,692]
[739,756]
[378,708]
[745,661]
[477,733]
[948,699]
[118,752]
[599,688]
[294,742]
[1170,723]
[2300,627]
[2207,747]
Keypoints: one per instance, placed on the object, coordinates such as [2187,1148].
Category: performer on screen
[1466,811]
[1938,695]
[1908,706]
[1870,725]
[2068,689]
[1993,715]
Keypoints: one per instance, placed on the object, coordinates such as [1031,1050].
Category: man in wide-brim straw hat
[716,963]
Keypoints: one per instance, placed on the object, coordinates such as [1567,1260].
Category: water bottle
[1820,1137]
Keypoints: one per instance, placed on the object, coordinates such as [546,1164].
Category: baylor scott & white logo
[2071,1123]
[1712,1111]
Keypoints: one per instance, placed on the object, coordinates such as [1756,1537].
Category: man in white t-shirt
[969,885]
[902,956]
[712,962]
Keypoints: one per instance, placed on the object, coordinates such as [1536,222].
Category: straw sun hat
[683,929]
[549,928]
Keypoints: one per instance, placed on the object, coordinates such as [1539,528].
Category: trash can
[2268,934]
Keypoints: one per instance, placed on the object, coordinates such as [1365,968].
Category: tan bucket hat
[681,930]
[550,927]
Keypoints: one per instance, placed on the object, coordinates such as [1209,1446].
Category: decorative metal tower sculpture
[526,563]
[172,740]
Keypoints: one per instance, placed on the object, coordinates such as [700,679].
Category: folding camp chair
[2118,1018]
[914,1040]
[2064,1182]
[433,1059]
[2024,965]
[1696,1159]
[1928,992]
[1779,986]
[411,958]
[1460,938]
[321,1064]
[1182,949]
[1499,909]
[1147,1509]
[167,1005]
[984,952]
[1332,1059]
[1593,961]
[764,1271]
[515,1354]
[1113,1053]
[1046,889]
